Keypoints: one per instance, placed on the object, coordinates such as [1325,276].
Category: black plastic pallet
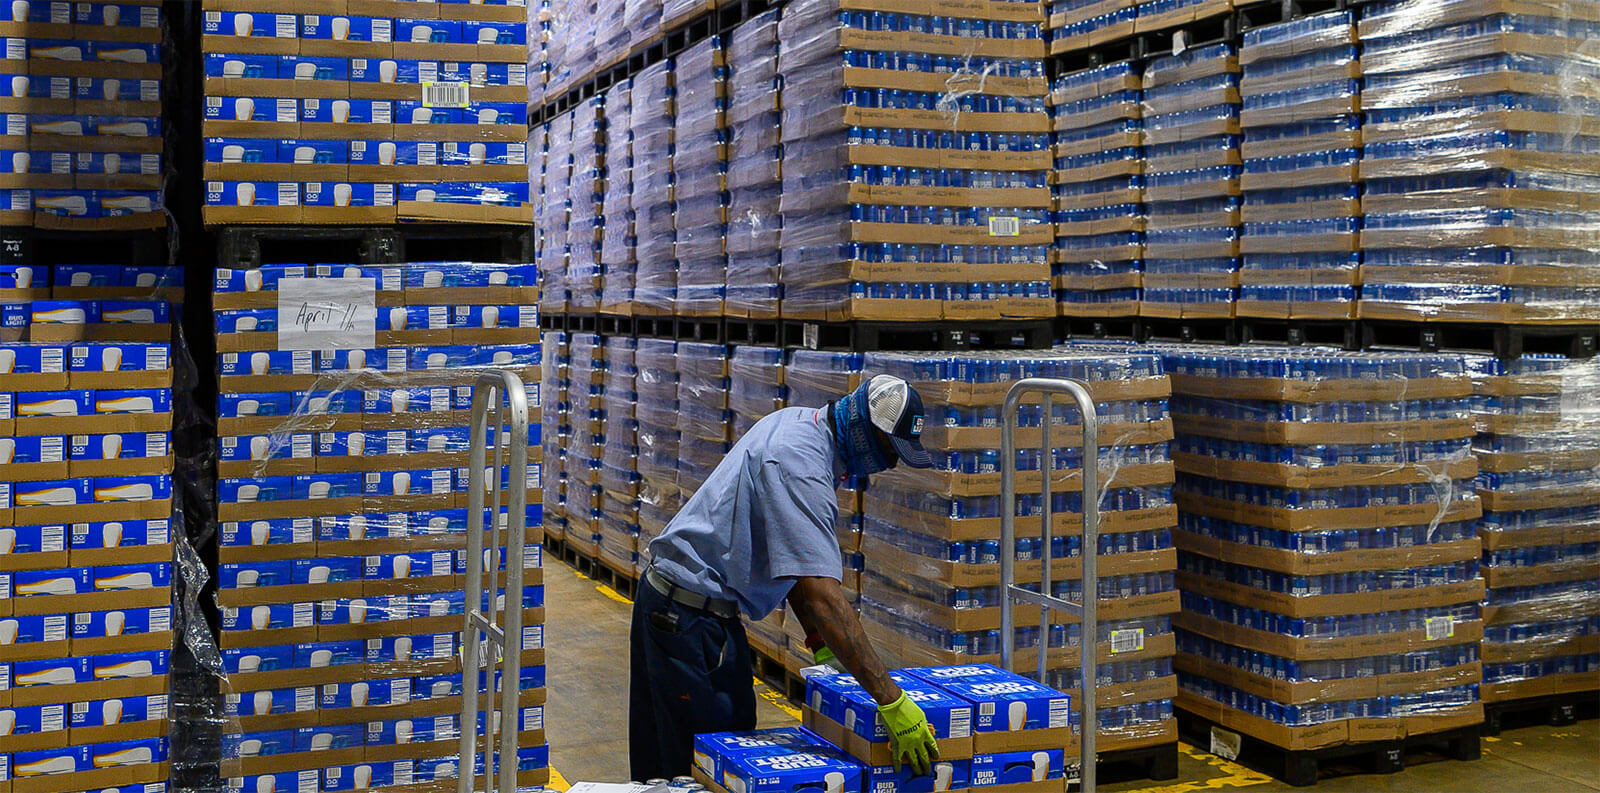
[1557,710]
[1204,331]
[754,332]
[1159,762]
[1501,340]
[706,330]
[49,247]
[1097,328]
[1301,767]
[771,671]
[909,336]
[1344,334]
[612,325]
[246,247]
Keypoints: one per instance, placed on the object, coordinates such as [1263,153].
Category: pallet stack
[375,113]
[700,179]
[555,294]
[86,504]
[1479,162]
[755,180]
[586,220]
[81,108]
[659,446]
[704,422]
[1328,546]
[1538,449]
[755,386]
[341,493]
[585,401]
[617,261]
[557,425]
[1302,143]
[938,125]
[656,282]
[619,464]
[930,584]
[1192,167]
[1099,191]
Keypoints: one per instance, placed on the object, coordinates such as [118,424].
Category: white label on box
[1004,227]
[327,313]
[52,719]
[1127,641]
[55,628]
[444,94]
[285,26]
[305,699]
[1060,712]
[1439,628]
[1225,744]
[300,446]
[986,709]
[960,722]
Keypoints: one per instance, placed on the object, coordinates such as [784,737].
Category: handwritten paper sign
[327,313]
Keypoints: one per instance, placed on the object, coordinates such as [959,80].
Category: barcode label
[1127,641]
[1439,628]
[1004,227]
[444,94]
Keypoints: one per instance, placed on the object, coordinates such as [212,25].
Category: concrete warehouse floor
[587,721]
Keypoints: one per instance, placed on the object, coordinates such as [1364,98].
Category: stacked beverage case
[86,551]
[655,279]
[1538,449]
[556,433]
[1302,132]
[80,115]
[659,445]
[341,496]
[617,262]
[699,171]
[554,213]
[1328,546]
[930,587]
[755,180]
[368,112]
[585,220]
[619,465]
[581,463]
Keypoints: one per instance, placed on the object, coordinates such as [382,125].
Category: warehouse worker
[758,532]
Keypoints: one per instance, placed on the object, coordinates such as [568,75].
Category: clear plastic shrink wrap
[915,177]
[341,501]
[930,538]
[1098,191]
[581,464]
[552,221]
[656,281]
[617,246]
[586,220]
[755,386]
[1538,448]
[557,433]
[1481,158]
[1191,186]
[1301,215]
[754,179]
[1329,558]
[659,448]
[704,421]
[699,168]
[619,463]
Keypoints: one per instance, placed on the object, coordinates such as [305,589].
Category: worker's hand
[825,657]
[910,737]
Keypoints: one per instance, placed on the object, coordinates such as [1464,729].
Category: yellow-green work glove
[825,657]
[910,737]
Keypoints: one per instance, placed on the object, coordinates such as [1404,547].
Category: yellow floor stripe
[557,781]
[613,594]
[778,701]
[1234,775]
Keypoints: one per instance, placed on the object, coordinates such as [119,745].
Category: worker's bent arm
[820,605]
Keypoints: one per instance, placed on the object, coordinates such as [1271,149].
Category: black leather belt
[726,609]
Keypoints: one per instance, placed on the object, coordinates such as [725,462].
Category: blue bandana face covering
[853,436]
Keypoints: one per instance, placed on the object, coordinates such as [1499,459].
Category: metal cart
[1011,594]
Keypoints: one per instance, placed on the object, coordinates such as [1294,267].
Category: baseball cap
[896,408]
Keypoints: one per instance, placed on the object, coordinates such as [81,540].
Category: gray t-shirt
[764,517]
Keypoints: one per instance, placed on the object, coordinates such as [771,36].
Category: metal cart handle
[1010,592]
[482,630]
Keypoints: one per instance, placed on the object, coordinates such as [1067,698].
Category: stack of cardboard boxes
[755,386]
[341,492]
[80,115]
[1098,191]
[586,221]
[617,262]
[619,465]
[1538,449]
[556,430]
[98,302]
[1191,192]
[555,208]
[1482,127]
[581,464]
[700,178]
[1302,140]
[704,422]
[86,562]
[657,413]
[754,179]
[365,111]
[930,587]
[1328,544]
[656,279]
[915,161]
